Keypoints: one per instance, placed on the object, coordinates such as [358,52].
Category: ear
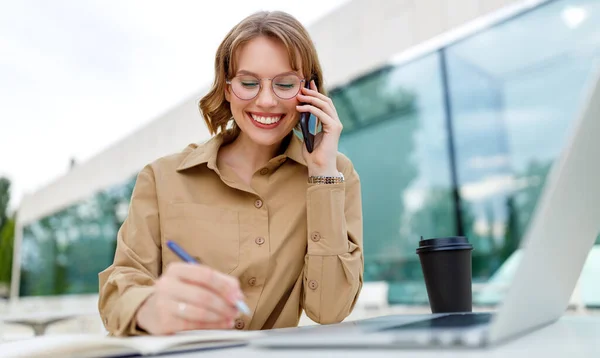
[227,94]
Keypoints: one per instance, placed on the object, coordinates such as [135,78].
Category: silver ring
[181,306]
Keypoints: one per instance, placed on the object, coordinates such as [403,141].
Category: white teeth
[266,120]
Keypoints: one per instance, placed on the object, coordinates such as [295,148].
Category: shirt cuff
[327,233]
[131,302]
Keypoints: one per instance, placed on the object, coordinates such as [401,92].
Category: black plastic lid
[443,244]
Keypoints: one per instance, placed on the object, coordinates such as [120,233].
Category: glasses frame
[260,85]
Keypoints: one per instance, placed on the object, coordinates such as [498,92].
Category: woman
[271,223]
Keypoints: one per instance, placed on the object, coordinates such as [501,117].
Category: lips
[265,120]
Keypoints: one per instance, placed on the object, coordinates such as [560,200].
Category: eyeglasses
[246,87]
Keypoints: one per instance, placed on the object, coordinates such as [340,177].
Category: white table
[40,321]
[570,337]
[40,312]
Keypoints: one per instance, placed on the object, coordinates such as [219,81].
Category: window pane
[403,162]
[378,97]
[63,253]
[515,90]
[344,109]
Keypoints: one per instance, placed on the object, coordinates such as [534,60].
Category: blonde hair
[276,25]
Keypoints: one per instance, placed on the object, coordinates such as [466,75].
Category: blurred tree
[512,236]
[7,234]
[436,217]
[4,199]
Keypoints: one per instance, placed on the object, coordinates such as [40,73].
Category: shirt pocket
[208,233]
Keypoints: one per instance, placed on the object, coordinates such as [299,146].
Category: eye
[249,84]
[285,86]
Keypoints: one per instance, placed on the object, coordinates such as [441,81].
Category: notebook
[90,345]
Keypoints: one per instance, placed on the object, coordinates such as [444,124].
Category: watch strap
[321,179]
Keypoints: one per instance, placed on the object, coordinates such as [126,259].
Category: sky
[79,75]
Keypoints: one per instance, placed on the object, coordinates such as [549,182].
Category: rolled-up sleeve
[128,282]
[334,264]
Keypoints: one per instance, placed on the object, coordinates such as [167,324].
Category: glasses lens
[286,86]
[245,87]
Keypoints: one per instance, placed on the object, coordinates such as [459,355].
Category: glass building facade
[457,141]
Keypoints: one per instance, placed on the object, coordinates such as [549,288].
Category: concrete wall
[169,133]
[366,33]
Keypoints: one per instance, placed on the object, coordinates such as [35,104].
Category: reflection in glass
[63,253]
[515,90]
[403,162]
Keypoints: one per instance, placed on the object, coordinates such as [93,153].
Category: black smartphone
[309,138]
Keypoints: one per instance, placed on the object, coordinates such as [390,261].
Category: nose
[266,98]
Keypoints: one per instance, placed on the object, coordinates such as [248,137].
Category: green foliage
[4,199]
[7,234]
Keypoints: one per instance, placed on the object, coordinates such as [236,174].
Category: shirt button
[312,284]
[315,236]
[258,204]
[239,323]
[252,281]
[264,171]
[259,240]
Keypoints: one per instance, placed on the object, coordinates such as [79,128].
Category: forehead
[264,56]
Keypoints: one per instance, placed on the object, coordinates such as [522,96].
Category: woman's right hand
[190,297]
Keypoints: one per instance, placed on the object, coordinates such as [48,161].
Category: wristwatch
[319,179]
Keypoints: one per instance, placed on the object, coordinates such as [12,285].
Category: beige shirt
[293,245]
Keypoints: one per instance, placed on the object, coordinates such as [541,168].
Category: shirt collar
[207,153]
[294,149]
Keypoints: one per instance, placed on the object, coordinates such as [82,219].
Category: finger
[329,124]
[314,92]
[224,285]
[186,325]
[190,312]
[199,297]
[318,102]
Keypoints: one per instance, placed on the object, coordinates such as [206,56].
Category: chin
[266,139]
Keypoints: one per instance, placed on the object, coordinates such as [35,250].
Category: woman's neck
[245,155]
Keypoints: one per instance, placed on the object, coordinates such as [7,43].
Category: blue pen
[179,251]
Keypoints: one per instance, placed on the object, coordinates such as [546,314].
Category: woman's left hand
[322,161]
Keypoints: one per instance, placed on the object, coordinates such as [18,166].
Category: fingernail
[234,297]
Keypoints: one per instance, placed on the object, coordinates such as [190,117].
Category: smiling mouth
[266,120]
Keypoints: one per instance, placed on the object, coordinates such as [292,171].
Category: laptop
[555,248]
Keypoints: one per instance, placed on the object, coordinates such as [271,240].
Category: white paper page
[99,345]
[155,344]
[70,345]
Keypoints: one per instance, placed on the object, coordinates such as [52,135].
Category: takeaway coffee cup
[446,265]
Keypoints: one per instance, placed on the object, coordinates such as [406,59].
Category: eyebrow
[244,72]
